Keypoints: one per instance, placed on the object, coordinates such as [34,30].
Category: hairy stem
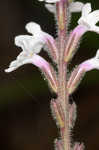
[63,99]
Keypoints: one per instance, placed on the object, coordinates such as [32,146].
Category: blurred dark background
[25,117]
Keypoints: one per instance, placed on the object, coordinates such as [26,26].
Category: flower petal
[23,41]
[41,0]
[86,9]
[21,60]
[51,8]
[22,56]
[29,44]
[34,59]
[41,39]
[10,69]
[76,6]
[18,62]
[33,28]
[94,16]
[13,66]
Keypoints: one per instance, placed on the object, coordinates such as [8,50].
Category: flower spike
[89,19]
[61,50]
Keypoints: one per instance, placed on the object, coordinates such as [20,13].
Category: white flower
[89,19]
[31,46]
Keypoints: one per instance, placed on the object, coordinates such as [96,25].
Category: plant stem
[63,98]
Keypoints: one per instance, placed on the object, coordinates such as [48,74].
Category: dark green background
[25,118]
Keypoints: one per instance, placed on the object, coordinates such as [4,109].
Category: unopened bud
[58,144]
[57,113]
[78,146]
